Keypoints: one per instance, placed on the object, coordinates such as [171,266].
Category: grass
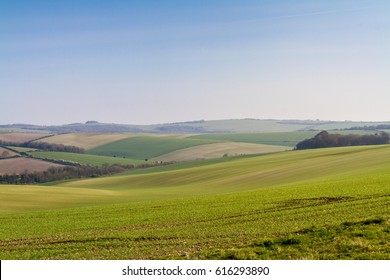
[314,204]
[85,159]
[146,147]
[365,239]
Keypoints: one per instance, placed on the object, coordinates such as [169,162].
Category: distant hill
[196,127]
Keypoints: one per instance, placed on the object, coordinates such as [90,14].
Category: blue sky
[149,61]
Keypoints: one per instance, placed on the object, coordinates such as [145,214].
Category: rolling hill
[324,203]
[200,126]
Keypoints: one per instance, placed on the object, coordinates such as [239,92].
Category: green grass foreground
[313,204]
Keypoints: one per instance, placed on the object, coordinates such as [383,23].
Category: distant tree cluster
[324,140]
[370,127]
[45,146]
[52,147]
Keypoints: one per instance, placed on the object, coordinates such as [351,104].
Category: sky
[155,61]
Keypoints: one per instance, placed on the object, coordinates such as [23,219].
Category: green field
[86,159]
[271,138]
[146,147]
[268,138]
[325,203]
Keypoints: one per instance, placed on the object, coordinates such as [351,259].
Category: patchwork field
[326,203]
[216,150]
[21,165]
[146,147]
[85,140]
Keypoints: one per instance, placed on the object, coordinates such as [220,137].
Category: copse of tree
[45,146]
[63,173]
[52,147]
[325,139]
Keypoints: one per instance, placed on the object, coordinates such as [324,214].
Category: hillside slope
[314,204]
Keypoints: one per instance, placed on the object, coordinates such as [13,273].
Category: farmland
[270,138]
[268,206]
[85,159]
[216,150]
[146,147]
[85,140]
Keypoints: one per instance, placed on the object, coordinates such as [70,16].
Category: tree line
[67,172]
[369,127]
[325,139]
[50,147]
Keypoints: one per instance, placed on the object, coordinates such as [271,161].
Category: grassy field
[326,203]
[216,150]
[146,147]
[86,159]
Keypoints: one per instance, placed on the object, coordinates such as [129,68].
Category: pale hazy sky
[144,61]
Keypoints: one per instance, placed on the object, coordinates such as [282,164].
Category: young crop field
[85,159]
[313,204]
[146,147]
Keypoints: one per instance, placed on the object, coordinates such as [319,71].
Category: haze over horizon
[149,62]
